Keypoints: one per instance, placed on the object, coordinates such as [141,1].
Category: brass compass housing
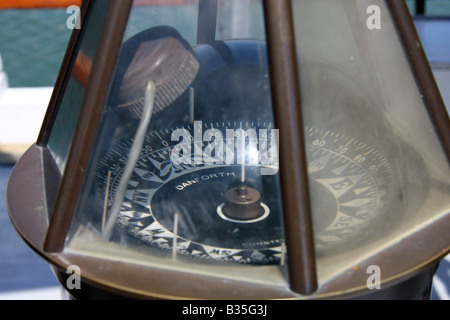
[246,149]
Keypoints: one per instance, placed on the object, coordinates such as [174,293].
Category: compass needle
[242,153]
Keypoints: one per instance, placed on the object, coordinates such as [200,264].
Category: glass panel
[170,13]
[240,19]
[198,185]
[63,129]
[377,170]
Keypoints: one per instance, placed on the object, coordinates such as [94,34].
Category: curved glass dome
[204,149]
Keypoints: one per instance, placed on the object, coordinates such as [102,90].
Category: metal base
[416,288]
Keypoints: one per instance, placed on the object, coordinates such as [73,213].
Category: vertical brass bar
[422,71]
[420,7]
[207,21]
[61,81]
[86,130]
[293,170]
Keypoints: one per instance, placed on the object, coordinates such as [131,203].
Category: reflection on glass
[204,184]
[376,166]
[64,125]
[204,189]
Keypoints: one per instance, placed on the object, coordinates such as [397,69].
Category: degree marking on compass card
[348,143]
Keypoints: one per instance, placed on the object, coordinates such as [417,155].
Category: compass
[349,179]
[240,221]
[235,150]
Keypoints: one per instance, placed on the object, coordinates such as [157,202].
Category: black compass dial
[200,197]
